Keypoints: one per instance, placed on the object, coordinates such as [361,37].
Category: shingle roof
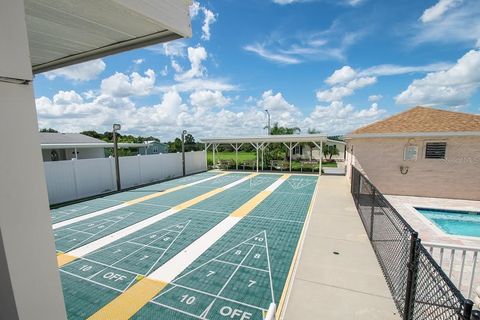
[65,138]
[423,119]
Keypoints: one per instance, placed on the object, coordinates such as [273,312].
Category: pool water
[461,223]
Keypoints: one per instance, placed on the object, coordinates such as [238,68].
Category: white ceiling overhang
[65,32]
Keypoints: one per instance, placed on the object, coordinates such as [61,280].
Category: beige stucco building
[420,152]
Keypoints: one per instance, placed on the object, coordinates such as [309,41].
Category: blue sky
[332,65]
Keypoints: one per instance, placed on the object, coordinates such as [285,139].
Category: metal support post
[184,132]
[116,127]
[372,216]
[467,311]
[412,266]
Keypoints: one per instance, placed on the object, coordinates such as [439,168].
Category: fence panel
[76,179]
[195,162]
[60,178]
[419,287]
[94,176]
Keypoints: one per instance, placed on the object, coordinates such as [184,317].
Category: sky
[329,65]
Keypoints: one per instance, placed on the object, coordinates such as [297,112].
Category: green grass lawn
[245,155]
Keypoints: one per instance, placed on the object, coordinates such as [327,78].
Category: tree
[277,130]
[50,130]
[330,150]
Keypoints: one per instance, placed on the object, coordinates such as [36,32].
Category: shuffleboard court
[236,276]
[78,209]
[84,232]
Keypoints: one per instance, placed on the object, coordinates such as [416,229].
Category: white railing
[459,263]
[75,179]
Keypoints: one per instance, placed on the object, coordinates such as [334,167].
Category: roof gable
[423,119]
[66,138]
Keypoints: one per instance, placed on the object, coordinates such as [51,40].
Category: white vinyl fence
[76,179]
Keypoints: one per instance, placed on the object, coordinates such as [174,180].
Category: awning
[64,32]
[287,138]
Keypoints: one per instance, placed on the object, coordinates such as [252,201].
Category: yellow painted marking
[161,193]
[196,200]
[128,303]
[63,259]
[132,300]
[247,207]
[280,305]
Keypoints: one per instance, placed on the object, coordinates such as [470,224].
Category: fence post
[467,309]
[412,266]
[372,214]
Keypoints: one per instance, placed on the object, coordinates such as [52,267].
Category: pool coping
[428,231]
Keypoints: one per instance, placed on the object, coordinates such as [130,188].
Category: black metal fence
[419,287]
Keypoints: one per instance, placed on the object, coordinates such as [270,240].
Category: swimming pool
[455,222]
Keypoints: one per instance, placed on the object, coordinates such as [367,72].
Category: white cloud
[190,85]
[164,71]
[452,87]
[138,61]
[329,44]
[352,3]
[196,56]
[338,118]
[281,111]
[284,2]
[174,48]
[122,85]
[209,19]
[209,99]
[178,68]
[458,23]
[337,93]
[79,72]
[67,97]
[375,98]
[393,69]
[436,11]
[194,9]
[342,75]
[275,57]
[346,80]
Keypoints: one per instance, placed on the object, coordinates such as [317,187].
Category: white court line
[117,207]
[88,216]
[97,244]
[172,268]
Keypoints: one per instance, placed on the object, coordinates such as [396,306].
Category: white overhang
[267,139]
[65,32]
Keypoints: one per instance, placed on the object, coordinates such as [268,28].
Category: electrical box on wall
[410,153]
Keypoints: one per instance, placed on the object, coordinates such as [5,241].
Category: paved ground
[347,285]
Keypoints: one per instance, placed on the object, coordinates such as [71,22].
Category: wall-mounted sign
[410,153]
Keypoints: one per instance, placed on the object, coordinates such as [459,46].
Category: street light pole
[116,127]
[184,132]
[268,123]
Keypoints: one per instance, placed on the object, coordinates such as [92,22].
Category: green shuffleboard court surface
[237,277]
[79,209]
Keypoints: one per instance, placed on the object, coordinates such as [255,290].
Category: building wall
[69,154]
[457,176]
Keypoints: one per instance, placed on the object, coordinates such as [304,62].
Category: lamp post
[268,123]
[116,127]
[184,132]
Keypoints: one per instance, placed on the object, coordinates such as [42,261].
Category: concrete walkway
[347,285]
